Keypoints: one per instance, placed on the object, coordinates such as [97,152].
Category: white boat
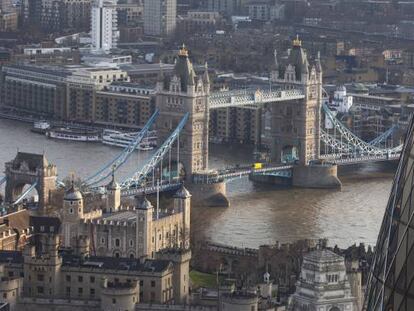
[40,127]
[74,134]
[122,140]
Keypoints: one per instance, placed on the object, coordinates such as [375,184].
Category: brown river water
[258,214]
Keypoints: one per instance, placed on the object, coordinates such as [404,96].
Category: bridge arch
[289,154]
[30,169]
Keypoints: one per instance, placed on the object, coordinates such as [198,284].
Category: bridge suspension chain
[378,140]
[119,160]
[357,144]
[138,178]
[24,194]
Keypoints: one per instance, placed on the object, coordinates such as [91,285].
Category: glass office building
[391,281]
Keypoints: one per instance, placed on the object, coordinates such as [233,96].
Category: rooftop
[323,256]
[112,263]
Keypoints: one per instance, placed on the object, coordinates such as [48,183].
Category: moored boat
[74,134]
[122,140]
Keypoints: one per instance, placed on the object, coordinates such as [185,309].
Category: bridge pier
[209,195]
[316,176]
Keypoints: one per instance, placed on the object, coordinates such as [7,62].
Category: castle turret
[72,213]
[113,196]
[144,239]
[182,203]
[119,296]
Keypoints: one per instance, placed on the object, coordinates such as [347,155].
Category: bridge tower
[295,125]
[27,169]
[177,94]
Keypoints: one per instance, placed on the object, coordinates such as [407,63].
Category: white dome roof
[73,194]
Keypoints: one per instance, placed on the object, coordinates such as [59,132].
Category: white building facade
[104,26]
[160,17]
[323,284]
[341,102]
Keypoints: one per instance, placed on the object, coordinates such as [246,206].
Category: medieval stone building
[117,230]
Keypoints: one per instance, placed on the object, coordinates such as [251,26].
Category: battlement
[107,222]
[93,214]
[175,255]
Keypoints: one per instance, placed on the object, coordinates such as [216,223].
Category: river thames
[258,214]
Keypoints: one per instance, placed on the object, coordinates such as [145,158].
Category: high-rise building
[160,17]
[391,281]
[104,26]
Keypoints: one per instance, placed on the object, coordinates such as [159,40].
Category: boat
[40,127]
[122,140]
[74,134]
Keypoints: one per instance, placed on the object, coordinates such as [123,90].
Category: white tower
[104,26]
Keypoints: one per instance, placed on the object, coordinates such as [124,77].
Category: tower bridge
[300,149]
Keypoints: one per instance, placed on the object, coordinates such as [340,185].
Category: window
[113,300]
[80,279]
[152,283]
[92,291]
[40,290]
[141,283]
[117,242]
[68,291]
[40,277]
[5,295]
[103,241]
[67,278]
[80,291]
[92,279]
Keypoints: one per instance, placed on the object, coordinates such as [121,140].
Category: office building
[390,284]
[160,17]
[104,26]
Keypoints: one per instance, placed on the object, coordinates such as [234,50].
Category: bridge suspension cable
[356,144]
[378,140]
[24,194]
[139,176]
[2,180]
[119,160]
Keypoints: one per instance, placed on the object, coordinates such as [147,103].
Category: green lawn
[200,279]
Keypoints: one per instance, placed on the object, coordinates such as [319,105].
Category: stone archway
[334,309]
[289,154]
[28,169]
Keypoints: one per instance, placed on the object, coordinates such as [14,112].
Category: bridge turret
[295,128]
[181,93]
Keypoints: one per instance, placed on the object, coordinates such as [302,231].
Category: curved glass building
[391,281]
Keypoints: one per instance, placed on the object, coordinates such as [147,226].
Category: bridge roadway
[282,170]
[337,159]
[150,189]
[251,98]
